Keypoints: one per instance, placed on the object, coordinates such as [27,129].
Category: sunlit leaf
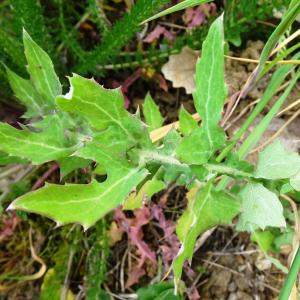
[84,204]
[41,70]
[211,91]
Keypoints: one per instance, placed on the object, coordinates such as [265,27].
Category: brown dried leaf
[181,68]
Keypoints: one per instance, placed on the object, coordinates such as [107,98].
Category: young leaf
[206,209]
[260,208]
[295,181]
[211,91]
[277,163]
[152,114]
[101,107]
[38,147]
[194,148]
[84,204]
[186,122]
[41,70]
[26,93]
[159,291]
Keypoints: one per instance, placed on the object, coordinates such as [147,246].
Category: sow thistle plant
[90,124]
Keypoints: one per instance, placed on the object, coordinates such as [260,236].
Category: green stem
[291,278]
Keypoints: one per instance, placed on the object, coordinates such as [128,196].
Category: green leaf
[194,148]
[41,70]
[263,238]
[149,188]
[84,204]
[260,208]
[6,159]
[211,91]
[152,114]
[159,291]
[103,108]
[277,163]
[206,209]
[38,147]
[295,181]
[186,122]
[180,6]
[26,93]
[71,163]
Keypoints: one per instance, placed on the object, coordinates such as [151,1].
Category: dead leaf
[114,233]
[181,68]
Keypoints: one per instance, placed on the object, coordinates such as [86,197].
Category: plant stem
[291,278]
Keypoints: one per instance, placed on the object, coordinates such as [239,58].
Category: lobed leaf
[41,70]
[84,204]
[38,147]
[260,208]
[211,91]
[103,108]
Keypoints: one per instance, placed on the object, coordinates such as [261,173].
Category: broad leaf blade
[84,204]
[41,70]
[277,163]
[152,114]
[206,209]
[194,148]
[260,208]
[211,91]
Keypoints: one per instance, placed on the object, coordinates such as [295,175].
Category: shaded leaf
[159,291]
[71,163]
[260,208]
[277,163]
[206,209]
[26,93]
[149,188]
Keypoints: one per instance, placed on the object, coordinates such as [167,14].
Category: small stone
[233,296]
[232,287]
